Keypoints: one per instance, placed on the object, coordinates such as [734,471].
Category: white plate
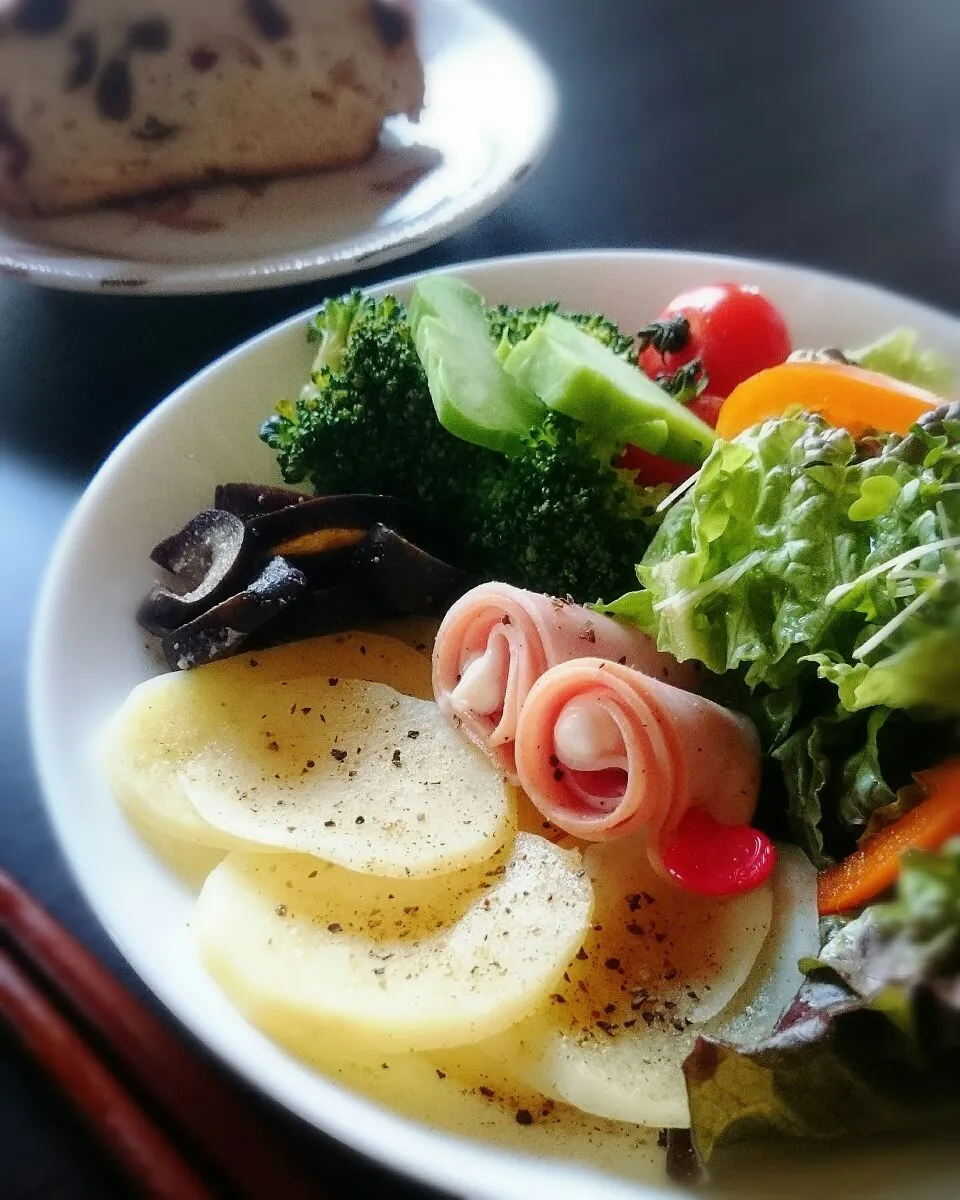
[425,181]
[87,653]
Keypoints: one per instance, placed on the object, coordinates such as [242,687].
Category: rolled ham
[605,751]
[496,642]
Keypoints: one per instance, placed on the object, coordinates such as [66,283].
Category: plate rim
[497,1174]
[78,271]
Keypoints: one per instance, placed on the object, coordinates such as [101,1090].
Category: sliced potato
[253,757]
[461,1092]
[350,771]
[142,749]
[657,963]
[164,721]
[417,632]
[189,862]
[379,657]
[309,951]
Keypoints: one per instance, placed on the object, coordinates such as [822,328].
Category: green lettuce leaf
[795,542]
[872,1041]
[833,776]
[821,576]
[736,574]
[925,916]
[924,672]
[897,354]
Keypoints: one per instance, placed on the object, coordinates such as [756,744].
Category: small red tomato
[707,408]
[732,328]
[651,468]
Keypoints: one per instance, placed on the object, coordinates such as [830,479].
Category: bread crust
[109,105]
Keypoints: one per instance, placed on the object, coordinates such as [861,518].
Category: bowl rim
[506,1173]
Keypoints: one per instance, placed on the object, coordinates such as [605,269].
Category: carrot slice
[849,397]
[875,866]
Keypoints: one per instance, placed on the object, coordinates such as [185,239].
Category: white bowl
[87,653]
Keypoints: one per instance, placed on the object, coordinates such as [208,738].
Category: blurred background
[825,133]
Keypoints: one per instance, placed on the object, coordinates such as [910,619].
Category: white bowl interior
[87,653]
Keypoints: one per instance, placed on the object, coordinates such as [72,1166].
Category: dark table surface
[825,132]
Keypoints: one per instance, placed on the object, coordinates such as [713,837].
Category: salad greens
[872,1041]
[559,514]
[493,394]
[824,574]
[898,355]
[509,325]
[364,421]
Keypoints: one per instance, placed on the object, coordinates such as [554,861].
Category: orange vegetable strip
[875,866]
[849,397]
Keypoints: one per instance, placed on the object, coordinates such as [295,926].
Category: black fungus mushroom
[322,610]
[224,629]
[269,565]
[320,535]
[207,559]
[248,500]
[406,577]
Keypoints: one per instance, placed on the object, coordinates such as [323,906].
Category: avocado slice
[475,399]
[573,373]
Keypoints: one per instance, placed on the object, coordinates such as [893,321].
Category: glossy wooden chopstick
[138,1147]
[189,1094]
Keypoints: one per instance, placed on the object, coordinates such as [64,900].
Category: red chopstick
[190,1096]
[139,1148]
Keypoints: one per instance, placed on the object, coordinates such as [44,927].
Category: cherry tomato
[733,329]
[651,468]
[707,408]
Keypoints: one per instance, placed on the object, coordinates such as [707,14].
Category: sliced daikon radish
[309,951]
[776,977]
[147,740]
[657,963]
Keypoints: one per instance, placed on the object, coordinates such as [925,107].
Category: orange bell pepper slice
[875,866]
[849,397]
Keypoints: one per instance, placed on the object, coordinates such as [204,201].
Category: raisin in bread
[105,99]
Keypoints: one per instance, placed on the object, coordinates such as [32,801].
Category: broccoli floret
[509,325]
[561,518]
[335,323]
[365,421]
[558,518]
